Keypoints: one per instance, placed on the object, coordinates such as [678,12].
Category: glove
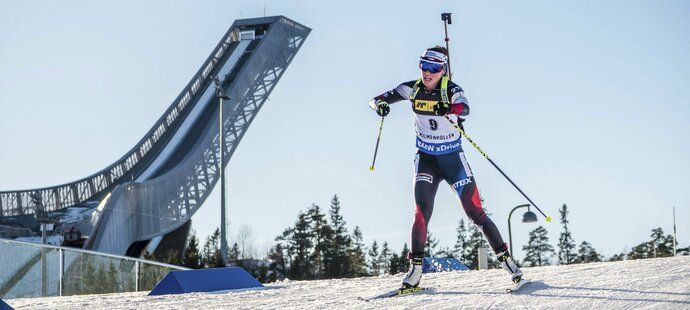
[442,108]
[381,107]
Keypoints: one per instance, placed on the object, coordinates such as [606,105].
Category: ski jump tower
[147,197]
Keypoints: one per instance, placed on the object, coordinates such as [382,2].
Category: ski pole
[445,17]
[462,132]
[378,139]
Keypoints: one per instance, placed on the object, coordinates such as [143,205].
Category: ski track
[662,283]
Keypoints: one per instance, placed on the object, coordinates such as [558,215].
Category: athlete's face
[431,80]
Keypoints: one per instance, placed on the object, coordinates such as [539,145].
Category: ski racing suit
[440,157]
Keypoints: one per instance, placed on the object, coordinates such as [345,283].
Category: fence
[39,270]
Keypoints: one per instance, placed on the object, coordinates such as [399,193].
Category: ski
[398,292]
[517,286]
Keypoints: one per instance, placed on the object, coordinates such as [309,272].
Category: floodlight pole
[674,231]
[221,174]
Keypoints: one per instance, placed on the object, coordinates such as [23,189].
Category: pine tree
[339,263]
[566,244]
[538,250]
[192,256]
[374,263]
[640,251]
[322,238]
[659,246]
[300,245]
[461,248]
[212,257]
[403,262]
[474,243]
[430,248]
[587,254]
[662,244]
[385,258]
[112,282]
[617,257]
[277,263]
[394,264]
[234,253]
[356,254]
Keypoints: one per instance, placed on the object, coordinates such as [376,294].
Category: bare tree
[245,241]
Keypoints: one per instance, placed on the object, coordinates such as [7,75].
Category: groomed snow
[652,283]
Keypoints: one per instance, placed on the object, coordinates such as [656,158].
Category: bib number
[433,124]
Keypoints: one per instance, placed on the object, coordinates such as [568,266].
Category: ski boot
[509,265]
[414,275]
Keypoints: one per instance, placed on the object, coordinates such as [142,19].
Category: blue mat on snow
[204,280]
[4,306]
[431,264]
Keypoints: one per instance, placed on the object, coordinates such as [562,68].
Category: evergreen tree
[212,257]
[234,253]
[659,246]
[374,263]
[385,258]
[300,245]
[430,248]
[322,238]
[538,250]
[587,254]
[566,244]
[461,248]
[192,256]
[617,257]
[663,245]
[445,252]
[112,282]
[394,264]
[277,263]
[403,262]
[358,263]
[339,263]
[640,251]
[474,243]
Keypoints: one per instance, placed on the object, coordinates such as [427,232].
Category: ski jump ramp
[165,178]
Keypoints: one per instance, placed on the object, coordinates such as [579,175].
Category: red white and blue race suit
[440,157]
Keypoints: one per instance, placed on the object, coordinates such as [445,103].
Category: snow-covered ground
[653,283]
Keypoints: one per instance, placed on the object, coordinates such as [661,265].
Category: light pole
[221,147]
[528,217]
[674,231]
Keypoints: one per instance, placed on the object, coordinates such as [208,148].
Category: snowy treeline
[319,245]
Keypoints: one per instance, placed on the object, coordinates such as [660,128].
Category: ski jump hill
[145,200]
[661,283]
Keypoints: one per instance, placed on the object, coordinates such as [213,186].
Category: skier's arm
[401,92]
[458,101]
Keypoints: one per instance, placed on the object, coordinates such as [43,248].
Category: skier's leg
[458,174]
[461,179]
[426,180]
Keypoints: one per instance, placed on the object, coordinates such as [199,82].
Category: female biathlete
[440,157]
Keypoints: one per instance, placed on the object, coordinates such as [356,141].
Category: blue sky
[582,103]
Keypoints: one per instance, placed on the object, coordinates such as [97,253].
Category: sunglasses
[430,66]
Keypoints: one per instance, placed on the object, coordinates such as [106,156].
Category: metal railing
[40,270]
